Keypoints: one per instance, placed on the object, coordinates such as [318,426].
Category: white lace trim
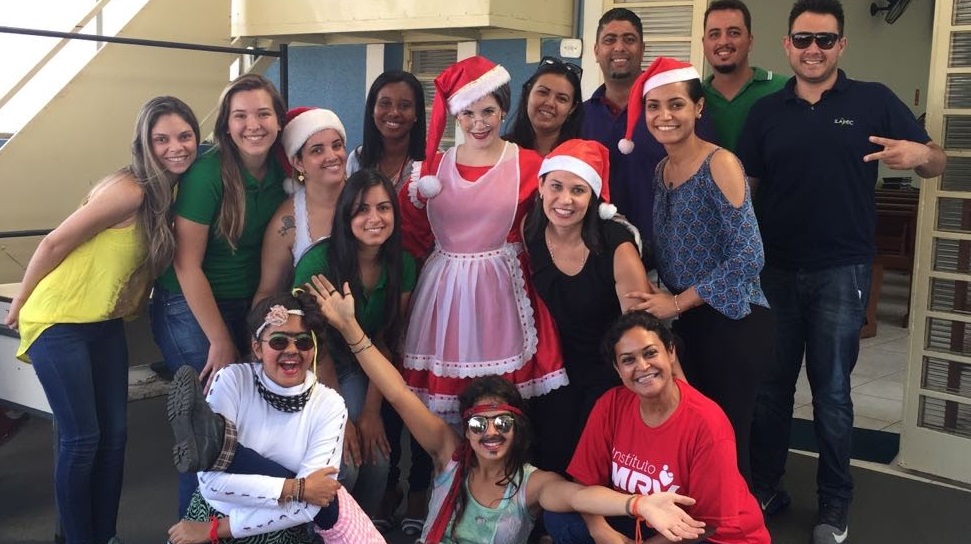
[509,253]
[413,185]
[447,406]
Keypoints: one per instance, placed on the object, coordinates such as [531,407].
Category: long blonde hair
[154,215]
[232,210]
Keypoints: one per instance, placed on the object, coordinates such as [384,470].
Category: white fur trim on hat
[305,125]
[575,166]
[670,76]
[463,97]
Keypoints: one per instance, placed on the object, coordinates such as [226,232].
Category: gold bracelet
[363,336]
[362,348]
[677,308]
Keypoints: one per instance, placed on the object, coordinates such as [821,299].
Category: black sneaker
[772,501]
[831,527]
[198,430]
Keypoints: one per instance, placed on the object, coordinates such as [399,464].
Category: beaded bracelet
[677,308]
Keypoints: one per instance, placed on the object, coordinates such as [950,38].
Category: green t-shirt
[370,310]
[231,274]
[728,116]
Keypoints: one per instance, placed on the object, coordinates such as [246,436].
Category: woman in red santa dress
[474,311]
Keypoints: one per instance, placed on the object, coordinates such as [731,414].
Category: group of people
[488,297]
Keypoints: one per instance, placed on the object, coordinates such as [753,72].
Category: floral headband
[277,316]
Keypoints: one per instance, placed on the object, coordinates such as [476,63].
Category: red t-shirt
[692,453]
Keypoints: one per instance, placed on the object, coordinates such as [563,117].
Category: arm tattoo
[288,223]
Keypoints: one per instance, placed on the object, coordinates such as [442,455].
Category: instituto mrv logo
[635,475]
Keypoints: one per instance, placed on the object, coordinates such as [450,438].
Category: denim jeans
[179,336]
[182,341]
[83,368]
[367,482]
[247,461]
[569,527]
[818,315]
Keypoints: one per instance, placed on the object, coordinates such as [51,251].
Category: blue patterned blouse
[701,240]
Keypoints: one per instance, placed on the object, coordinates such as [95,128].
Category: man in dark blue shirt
[619,50]
[812,151]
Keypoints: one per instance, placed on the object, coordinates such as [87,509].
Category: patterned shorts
[199,510]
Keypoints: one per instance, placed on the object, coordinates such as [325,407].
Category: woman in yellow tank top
[89,273]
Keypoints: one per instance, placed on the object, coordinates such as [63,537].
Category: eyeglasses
[825,40]
[488,117]
[569,66]
[480,424]
[281,340]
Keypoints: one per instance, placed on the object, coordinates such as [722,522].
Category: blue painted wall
[333,76]
[329,76]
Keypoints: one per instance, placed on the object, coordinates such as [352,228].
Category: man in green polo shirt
[734,85]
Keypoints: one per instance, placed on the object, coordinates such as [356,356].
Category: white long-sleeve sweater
[303,442]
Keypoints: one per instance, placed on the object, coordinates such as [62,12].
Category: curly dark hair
[499,388]
[630,321]
[313,320]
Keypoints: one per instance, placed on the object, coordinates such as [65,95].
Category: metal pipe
[137,41]
[24,233]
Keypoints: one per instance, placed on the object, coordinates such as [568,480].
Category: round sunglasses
[280,341]
[825,40]
[480,424]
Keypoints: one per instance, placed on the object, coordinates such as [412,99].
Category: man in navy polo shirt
[619,50]
[813,151]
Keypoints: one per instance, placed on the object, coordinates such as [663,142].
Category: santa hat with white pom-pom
[456,88]
[662,71]
[590,161]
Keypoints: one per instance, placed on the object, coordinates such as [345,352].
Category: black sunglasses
[280,341]
[825,40]
[480,424]
[569,66]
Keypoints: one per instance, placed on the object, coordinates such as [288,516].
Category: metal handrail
[24,233]
[94,12]
[255,51]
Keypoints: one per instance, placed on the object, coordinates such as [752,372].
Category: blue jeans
[818,314]
[179,336]
[83,368]
[183,342]
[569,527]
[367,482]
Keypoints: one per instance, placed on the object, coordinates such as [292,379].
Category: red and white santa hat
[590,161]
[662,71]
[302,123]
[456,88]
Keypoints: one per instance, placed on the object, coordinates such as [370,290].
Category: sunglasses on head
[280,341]
[825,40]
[569,66]
[480,424]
